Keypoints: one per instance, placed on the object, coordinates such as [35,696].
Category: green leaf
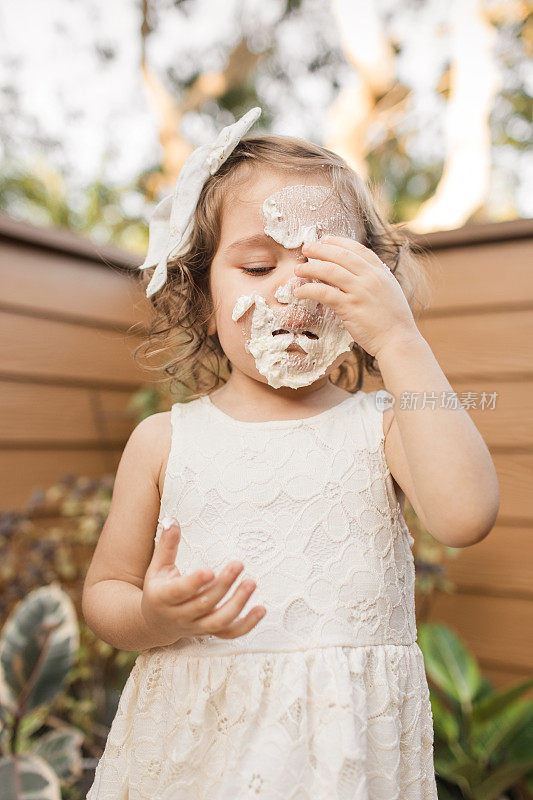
[446,792]
[36,779]
[492,705]
[445,725]
[38,648]
[502,778]
[485,689]
[448,664]
[31,723]
[492,736]
[520,746]
[62,750]
[463,770]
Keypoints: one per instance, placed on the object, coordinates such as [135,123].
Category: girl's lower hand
[360,288]
[179,605]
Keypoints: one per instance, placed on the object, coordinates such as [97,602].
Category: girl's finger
[241,626]
[354,262]
[359,249]
[321,292]
[224,614]
[164,554]
[349,244]
[331,274]
[183,587]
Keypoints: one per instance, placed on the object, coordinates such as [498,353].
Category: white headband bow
[171,223]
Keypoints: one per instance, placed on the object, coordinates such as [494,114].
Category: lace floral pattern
[326,697]
[333,722]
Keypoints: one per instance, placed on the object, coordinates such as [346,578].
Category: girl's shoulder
[159,432]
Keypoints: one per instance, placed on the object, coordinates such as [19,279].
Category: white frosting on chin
[293,369]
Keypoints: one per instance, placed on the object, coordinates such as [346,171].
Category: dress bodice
[308,506]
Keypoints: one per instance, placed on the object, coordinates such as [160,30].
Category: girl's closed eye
[257,270]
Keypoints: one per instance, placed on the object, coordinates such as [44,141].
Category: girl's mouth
[309,334]
[294,347]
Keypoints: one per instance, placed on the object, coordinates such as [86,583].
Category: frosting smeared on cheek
[295,345]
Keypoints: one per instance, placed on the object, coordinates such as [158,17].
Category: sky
[90,114]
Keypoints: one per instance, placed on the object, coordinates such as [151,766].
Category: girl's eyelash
[257,270]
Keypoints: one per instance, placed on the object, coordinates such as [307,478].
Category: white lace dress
[326,697]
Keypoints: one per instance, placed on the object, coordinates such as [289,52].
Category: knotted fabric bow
[172,221]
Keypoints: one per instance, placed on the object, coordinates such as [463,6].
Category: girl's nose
[296,280]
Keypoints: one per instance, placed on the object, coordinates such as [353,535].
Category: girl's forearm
[112,609]
[452,471]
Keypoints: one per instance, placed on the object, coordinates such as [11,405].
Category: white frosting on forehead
[300,213]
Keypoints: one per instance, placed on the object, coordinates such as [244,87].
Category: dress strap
[373,404]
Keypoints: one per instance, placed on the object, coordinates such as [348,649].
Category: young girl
[280,469]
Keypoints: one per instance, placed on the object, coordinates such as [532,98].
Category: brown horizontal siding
[65,241]
[474,234]
[25,470]
[495,628]
[89,416]
[62,241]
[469,346]
[502,677]
[496,566]
[66,287]
[71,314]
[484,276]
[505,427]
[57,349]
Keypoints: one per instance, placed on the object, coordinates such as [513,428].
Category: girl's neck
[260,403]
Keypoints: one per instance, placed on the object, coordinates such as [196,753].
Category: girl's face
[265,331]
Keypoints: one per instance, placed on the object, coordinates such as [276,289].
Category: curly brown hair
[183,306]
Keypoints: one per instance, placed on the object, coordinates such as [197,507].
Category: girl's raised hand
[177,605]
[360,288]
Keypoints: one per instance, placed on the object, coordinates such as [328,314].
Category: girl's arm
[112,592]
[436,455]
